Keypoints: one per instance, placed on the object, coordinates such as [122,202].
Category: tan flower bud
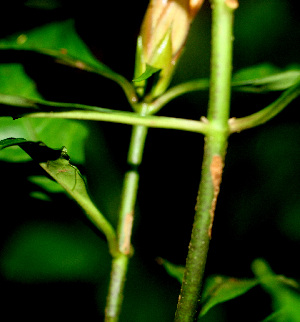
[163,35]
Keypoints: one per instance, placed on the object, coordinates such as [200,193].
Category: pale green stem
[178,90]
[125,222]
[128,118]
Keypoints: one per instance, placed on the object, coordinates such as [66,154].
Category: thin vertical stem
[213,160]
[125,222]
[130,187]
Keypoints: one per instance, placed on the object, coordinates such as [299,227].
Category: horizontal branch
[128,118]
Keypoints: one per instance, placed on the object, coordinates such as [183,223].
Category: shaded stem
[213,161]
[124,229]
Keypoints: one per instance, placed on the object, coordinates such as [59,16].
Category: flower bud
[162,37]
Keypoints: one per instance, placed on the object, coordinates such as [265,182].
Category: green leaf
[173,270]
[61,41]
[15,81]
[56,163]
[285,292]
[150,70]
[54,132]
[57,39]
[49,252]
[265,77]
[219,289]
[255,72]
[19,95]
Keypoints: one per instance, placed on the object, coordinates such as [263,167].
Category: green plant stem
[213,161]
[178,90]
[124,229]
[128,118]
[115,292]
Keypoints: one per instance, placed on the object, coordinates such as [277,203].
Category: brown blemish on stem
[125,247]
[216,169]
[232,4]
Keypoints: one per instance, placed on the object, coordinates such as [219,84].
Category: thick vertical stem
[124,229]
[213,160]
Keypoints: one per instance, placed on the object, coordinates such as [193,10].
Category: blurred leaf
[173,270]
[43,4]
[256,71]
[285,292]
[40,195]
[265,77]
[15,81]
[52,252]
[219,289]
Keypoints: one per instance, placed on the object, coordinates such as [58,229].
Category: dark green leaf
[11,142]
[44,4]
[219,289]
